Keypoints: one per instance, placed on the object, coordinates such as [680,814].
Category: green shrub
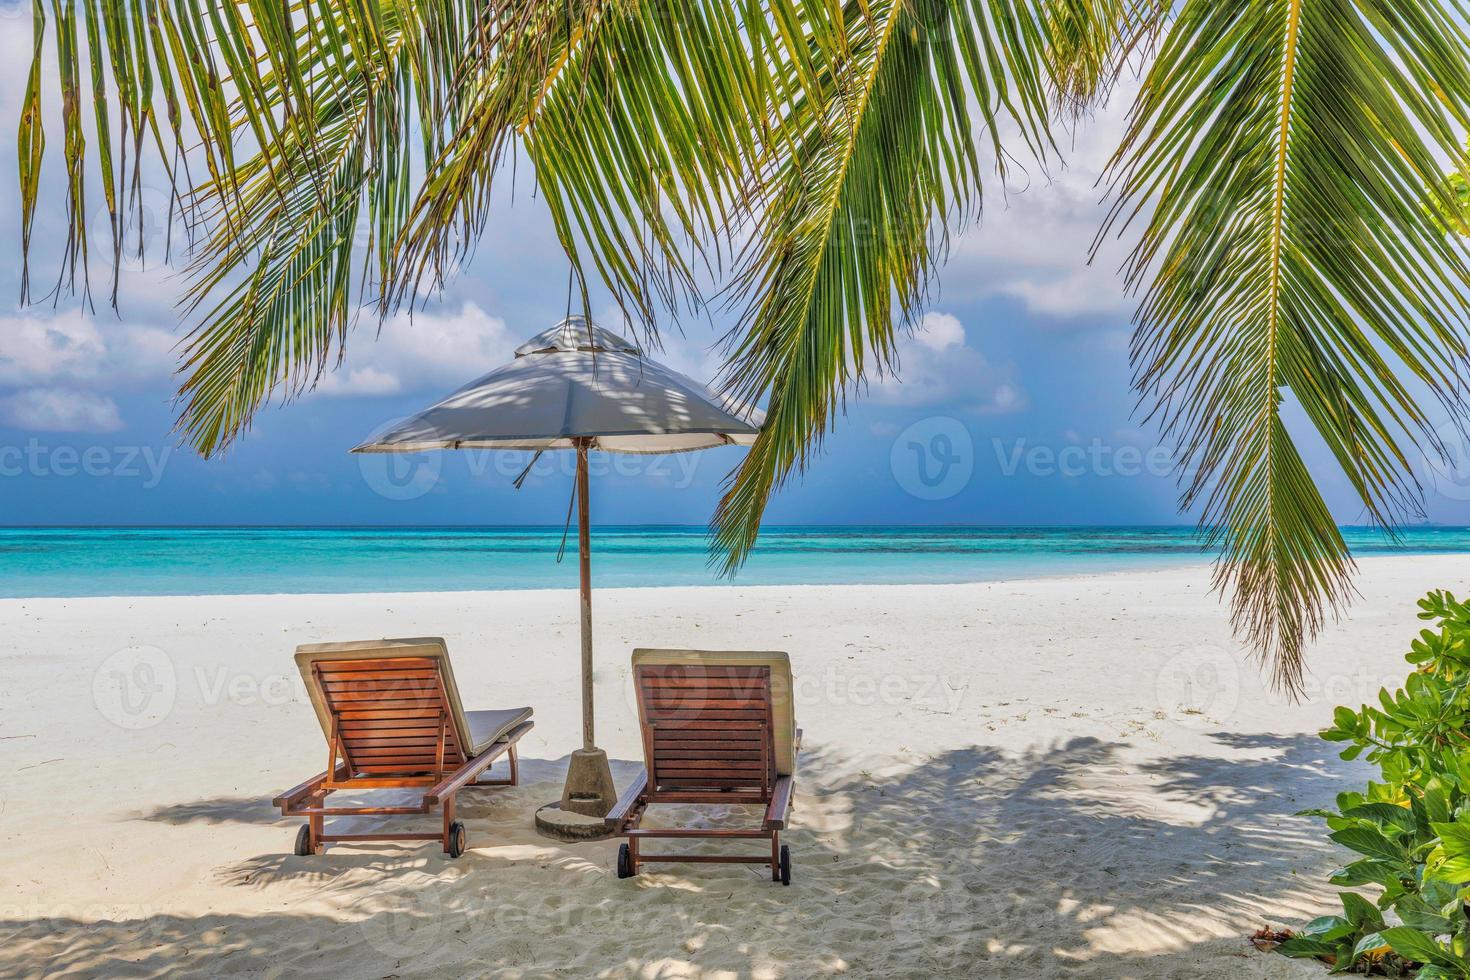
[1412,828]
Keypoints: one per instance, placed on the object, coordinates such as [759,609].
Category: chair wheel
[785,865]
[625,861]
[456,839]
[303,841]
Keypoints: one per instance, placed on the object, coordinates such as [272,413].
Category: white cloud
[368,380]
[936,366]
[74,349]
[61,410]
[939,331]
[1033,241]
[429,351]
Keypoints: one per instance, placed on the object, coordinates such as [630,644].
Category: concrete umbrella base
[587,797]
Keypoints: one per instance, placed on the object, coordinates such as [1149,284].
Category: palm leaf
[302,226]
[882,160]
[1279,150]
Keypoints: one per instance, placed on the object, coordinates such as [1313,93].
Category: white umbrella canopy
[573,383]
[580,387]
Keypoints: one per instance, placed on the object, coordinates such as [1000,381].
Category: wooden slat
[363,692]
[744,733]
[665,764]
[669,756]
[359,676]
[415,751]
[742,691]
[665,672]
[371,714]
[679,768]
[624,807]
[388,705]
[683,726]
[696,795]
[387,728]
[385,770]
[695,783]
[411,752]
[405,765]
[386,663]
[723,714]
[361,782]
[411,742]
[780,805]
[691,678]
[703,704]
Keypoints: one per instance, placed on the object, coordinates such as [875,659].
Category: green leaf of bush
[1366,840]
[1414,945]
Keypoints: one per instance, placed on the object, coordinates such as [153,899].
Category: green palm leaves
[881,157]
[1281,149]
[809,159]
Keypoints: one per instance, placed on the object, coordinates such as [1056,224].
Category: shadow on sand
[1082,859]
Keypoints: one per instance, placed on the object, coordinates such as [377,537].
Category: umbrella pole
[584,560]
[589,790]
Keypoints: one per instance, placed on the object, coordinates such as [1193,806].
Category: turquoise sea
[36,562]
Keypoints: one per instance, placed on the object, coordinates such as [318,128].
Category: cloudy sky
[1012,404]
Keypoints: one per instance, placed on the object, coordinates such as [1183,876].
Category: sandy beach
[1050,777]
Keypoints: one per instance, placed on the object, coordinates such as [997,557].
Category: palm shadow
[1078,858]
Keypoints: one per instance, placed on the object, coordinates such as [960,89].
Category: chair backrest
[388,714]
[708,726]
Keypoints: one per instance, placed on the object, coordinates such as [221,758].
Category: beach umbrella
[577,387]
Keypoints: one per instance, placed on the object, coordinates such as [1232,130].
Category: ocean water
[39,562]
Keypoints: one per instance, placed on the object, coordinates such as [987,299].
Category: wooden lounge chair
[393,720]
[717,728]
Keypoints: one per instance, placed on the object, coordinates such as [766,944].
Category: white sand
[1063,777]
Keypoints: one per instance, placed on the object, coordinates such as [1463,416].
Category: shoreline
[1182,566]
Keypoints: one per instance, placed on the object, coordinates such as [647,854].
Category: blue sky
[1013,403]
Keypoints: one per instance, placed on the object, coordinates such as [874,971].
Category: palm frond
[882,161]
[1278,151]
[343,104]
[1091,42]
[639,117]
